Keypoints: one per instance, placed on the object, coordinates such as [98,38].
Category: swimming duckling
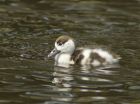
[65,53]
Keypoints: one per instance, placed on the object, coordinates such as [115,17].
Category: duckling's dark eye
[60,44]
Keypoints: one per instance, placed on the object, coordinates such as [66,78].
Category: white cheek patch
[67,47]
[58,47]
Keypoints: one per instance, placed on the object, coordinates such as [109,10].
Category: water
[28,29]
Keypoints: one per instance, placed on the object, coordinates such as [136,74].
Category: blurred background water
[28,29]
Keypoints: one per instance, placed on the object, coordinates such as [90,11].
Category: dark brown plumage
[62,39]
[77,56]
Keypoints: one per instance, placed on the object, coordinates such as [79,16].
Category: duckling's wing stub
[77,56]
[96,56]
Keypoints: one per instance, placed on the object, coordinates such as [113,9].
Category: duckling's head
[63,44]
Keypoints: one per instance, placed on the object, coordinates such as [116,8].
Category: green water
[28,29]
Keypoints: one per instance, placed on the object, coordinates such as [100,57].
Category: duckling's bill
[53,53]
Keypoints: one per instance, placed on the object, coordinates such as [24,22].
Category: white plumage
[65,53]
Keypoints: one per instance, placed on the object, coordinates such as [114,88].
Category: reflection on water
[83,84]
[28,29]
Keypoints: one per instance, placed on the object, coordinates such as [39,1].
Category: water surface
[28,29]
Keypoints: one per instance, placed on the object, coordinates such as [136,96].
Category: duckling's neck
[63,58]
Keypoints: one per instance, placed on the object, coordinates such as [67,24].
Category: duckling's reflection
[63,76]
[62,80]
[86,79]
[65,73]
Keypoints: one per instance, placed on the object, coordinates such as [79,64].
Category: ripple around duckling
[28,29]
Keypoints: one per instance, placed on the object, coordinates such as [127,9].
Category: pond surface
[28,29]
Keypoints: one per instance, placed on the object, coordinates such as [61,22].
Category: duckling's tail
[116,59]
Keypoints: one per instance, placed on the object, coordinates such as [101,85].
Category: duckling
[65,53]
